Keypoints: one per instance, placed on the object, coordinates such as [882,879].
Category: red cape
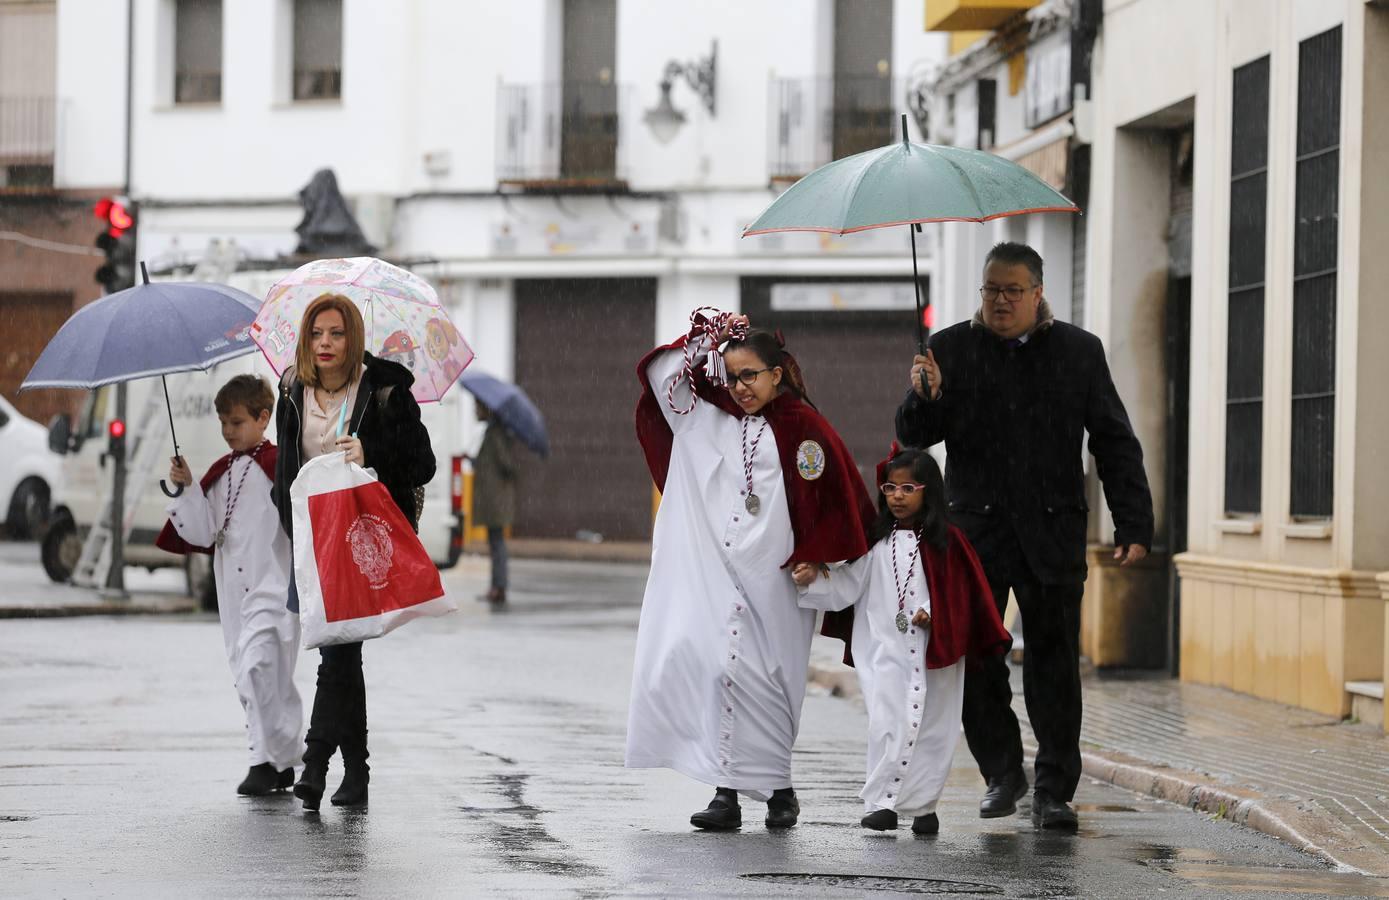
[829,515]
[169,537]
[964,620]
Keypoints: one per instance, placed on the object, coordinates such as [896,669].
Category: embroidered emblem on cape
[372,549]
[810,460]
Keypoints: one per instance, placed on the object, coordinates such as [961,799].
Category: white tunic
[251,569]
[723,647]
[913,712]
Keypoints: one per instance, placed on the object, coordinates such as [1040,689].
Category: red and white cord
[702,325]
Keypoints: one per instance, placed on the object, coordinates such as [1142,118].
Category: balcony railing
[566,136]
[27,128]
[816,120]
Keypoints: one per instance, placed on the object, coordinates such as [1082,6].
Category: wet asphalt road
[497,771]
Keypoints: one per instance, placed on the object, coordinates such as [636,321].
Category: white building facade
[503,152]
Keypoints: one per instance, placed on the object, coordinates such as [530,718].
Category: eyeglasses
[747,376]
[1012,293]
[906,489]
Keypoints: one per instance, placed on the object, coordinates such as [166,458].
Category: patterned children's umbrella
[404,319]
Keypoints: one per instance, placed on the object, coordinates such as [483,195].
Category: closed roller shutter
[577,346]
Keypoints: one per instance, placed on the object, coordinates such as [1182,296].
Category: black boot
[259,781]
[880,820]
[927,824]
[312,783]
[783,809]
[1048,812]
[353,790]
[286,779]
[722,814]
[1001,799]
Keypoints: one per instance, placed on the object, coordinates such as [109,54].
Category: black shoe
[1001,799]
[259,781]
[286,779]
[312,783]
[880,820]
[1048,812]
[722,814]
[783,809]
[927,824]
[353,790]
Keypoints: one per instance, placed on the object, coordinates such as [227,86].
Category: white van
[87,473]
[30,476]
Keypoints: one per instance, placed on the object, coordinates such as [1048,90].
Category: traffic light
[115,444]
[117,241]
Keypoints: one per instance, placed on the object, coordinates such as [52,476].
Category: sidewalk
[26,591]
[1317,783]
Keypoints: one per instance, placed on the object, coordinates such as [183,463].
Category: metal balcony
[27,129]
[816,120]
[565,137]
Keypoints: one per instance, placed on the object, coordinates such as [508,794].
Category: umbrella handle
[164,486]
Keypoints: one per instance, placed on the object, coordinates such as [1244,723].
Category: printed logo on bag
[372,549]
[810,460]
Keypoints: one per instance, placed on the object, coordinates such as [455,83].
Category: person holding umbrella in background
[494,495]
[1012,394]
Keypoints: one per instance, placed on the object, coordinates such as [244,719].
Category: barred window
[317,49]
[198,51]
[1244,357]
[1315,246]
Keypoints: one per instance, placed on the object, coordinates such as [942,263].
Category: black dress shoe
[286,780]
[927,824]
[722,814]
[1001,799]
[783,809]
[880,820]
[259,781]
[1048,812]
[353,790]
[312,783]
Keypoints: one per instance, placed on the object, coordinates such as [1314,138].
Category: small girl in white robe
[916,607]
[230,515]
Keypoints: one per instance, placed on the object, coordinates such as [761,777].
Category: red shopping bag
[365,549]
[359,569]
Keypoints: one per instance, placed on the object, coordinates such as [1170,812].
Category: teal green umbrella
[908,184]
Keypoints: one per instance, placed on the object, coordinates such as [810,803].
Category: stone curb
[94,609]
[1297,823]
[1300,824]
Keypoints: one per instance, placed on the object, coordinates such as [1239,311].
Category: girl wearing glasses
[753,480]
[911,611]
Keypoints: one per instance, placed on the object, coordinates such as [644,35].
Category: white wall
[90,94]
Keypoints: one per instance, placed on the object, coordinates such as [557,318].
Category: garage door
[855,354]
[30,321]
[577,346]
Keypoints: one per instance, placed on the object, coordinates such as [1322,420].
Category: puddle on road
[892,883]
[1207,870]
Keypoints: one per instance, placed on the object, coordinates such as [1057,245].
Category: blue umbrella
[147,330]
[511,407]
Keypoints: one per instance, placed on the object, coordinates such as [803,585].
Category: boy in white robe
[230,515]
[920,606]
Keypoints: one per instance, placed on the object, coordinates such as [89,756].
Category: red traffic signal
[928,316]
[116,429]
[113,211]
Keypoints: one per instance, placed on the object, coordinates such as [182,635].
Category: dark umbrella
[147,330]
[512,408]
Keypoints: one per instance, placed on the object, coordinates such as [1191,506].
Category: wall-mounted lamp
[664,119]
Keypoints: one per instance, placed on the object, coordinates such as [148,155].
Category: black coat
[1013,420]
[394,441]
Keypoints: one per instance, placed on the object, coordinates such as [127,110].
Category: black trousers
[339,718]
[1050,680]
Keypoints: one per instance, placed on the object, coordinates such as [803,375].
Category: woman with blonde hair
[338,397]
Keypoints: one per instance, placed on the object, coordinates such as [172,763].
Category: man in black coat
[1012,393]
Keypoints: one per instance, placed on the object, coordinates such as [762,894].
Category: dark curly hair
[931,519]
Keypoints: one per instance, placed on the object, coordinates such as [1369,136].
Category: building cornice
[1348,583]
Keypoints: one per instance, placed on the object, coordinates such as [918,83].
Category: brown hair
[250,391]
[305,365]
[771,349]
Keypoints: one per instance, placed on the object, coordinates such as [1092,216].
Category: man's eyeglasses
[906,489]
[1012,293]
[747,376]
